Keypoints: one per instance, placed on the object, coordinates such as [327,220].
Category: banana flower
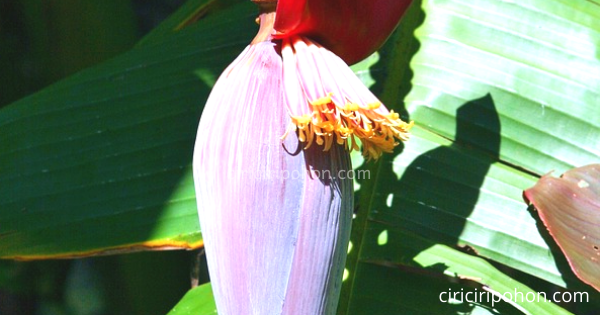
[271,160]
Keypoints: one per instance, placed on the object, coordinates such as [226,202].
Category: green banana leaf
[101,162]
[501,93]
[198,301]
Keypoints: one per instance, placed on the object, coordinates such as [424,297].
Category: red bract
[351,29]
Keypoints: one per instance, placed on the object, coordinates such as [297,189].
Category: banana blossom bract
[271,161]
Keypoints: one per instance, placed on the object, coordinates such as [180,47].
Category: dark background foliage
[42,41]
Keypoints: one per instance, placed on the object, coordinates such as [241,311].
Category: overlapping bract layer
[275,218]
[329,104]
[276,214]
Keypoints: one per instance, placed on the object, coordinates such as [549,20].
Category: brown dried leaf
[570,208]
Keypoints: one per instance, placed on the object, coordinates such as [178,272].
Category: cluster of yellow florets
[331,122]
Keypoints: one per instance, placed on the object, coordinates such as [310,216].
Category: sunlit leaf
[198,301]
[501,92]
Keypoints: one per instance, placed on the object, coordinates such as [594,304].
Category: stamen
[345,109]
[377,132]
